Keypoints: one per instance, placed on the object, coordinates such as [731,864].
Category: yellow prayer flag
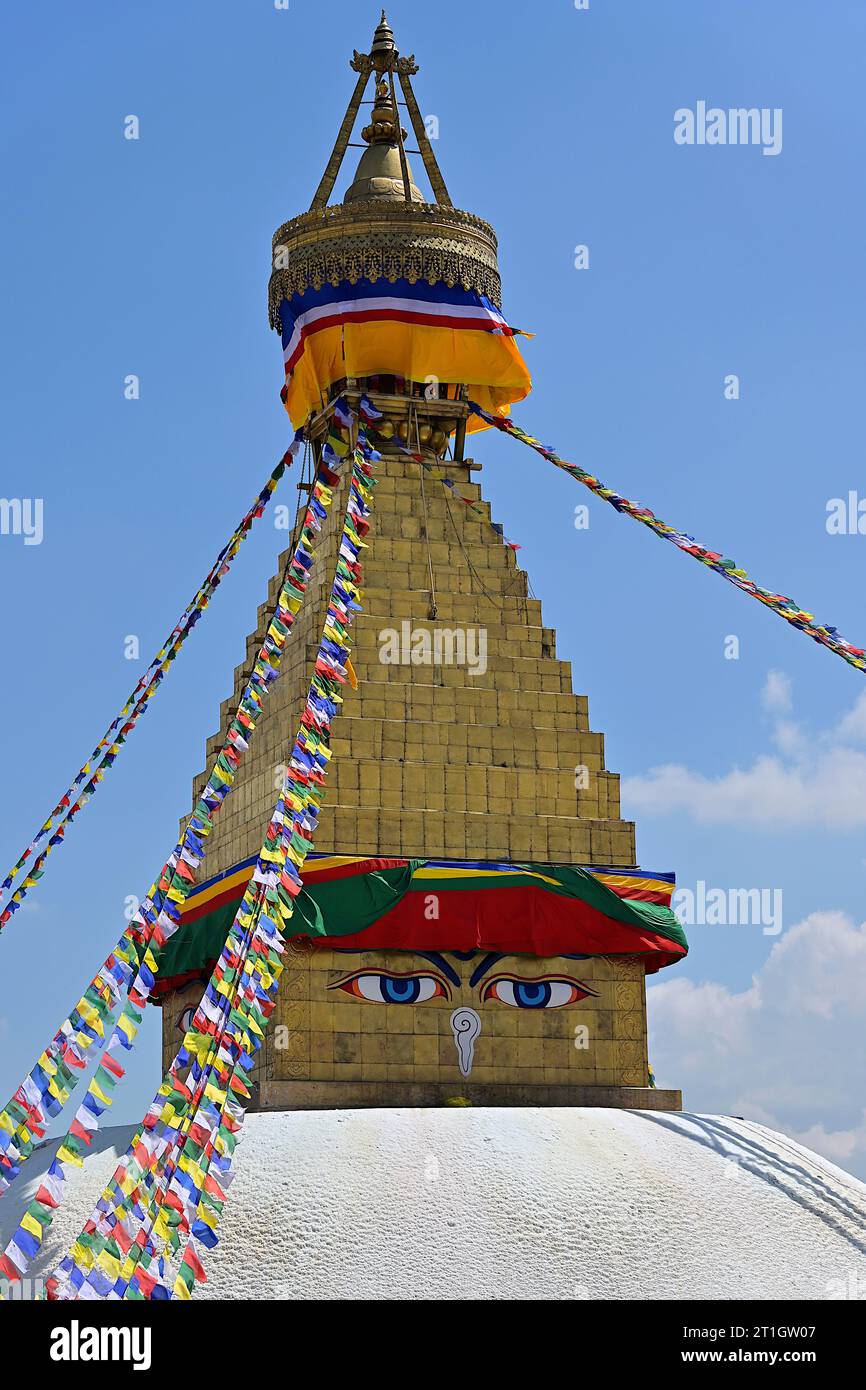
[196,1173]
[82,1256]
[91,1018]
[29,1223]
[197,1043]
[110,1263]
[45,1061]
[160,1226]
[127,1027]
[67,1156]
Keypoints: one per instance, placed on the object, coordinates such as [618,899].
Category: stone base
[362,1095]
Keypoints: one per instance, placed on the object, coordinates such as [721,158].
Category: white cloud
[843,1146]
[786,1051]
[776,695]
[829,788]
[853,726]
[813,779]
[790,737]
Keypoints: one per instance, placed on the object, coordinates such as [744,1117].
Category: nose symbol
[465,1025]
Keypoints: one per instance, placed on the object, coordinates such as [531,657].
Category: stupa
[474,926]
[463,920]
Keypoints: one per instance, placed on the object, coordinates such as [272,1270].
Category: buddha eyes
[380,987]
[533,994]
[184,1023]
[387,987]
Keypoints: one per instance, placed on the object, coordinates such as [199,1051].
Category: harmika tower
[473,922]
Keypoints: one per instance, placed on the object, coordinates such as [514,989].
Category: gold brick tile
[425,1051]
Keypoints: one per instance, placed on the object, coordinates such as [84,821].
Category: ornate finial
[383,118]
[383,39]
[384,172]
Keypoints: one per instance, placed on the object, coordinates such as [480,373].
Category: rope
[433,611]
[500,608]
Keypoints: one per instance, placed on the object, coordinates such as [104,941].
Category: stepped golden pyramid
[466,785]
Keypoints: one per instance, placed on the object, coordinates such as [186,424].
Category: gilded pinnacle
[383,39]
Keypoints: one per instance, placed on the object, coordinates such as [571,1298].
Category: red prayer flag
[80,1132]
[192,1261]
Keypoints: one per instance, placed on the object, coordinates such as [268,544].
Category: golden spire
[383,39]
[383,227]
[383,170]
[383,173]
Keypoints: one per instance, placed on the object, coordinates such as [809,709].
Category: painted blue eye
[532,994]
[403,991]
[379,988]
[535,994]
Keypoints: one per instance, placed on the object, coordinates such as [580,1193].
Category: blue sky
[151,257]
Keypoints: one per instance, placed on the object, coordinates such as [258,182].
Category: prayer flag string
[785,607]
[132,966]
[104,755]
[164,1194]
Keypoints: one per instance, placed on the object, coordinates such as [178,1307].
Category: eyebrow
[433,956]
[441,964]
[494,956]
[481,969]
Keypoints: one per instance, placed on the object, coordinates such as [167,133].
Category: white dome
[509,1203]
